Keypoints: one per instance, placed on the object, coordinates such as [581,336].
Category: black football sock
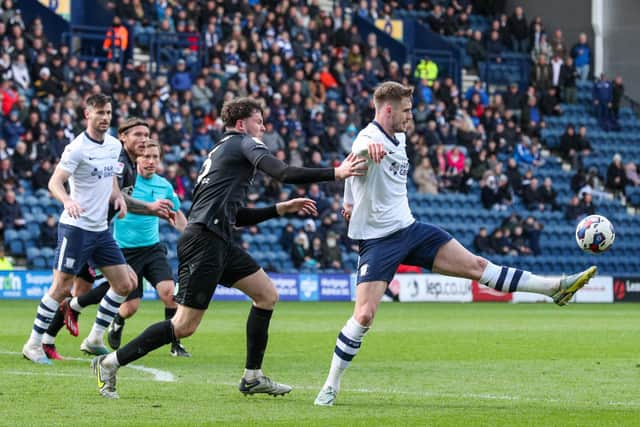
[169,312]
[56,324]
[94,296]
[153,337]
[257,336]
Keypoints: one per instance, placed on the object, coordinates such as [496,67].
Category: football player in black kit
[208,255]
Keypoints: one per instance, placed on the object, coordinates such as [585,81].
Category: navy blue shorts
[77,247]
[415,245]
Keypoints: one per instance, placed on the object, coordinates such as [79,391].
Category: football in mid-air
[595,234]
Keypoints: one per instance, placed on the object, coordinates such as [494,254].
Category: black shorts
[207,260]
[87,273]
[149,262]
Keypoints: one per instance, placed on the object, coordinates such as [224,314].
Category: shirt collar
[393,139]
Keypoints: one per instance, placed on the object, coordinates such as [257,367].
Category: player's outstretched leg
[453,259]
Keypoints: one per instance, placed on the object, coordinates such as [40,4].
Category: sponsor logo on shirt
[106,172]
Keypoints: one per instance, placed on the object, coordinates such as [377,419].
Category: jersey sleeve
[361,145]
[348,195]
[254,149]
[71,158]
[171,195]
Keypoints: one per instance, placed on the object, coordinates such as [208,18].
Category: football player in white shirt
[380,219]
[90,164]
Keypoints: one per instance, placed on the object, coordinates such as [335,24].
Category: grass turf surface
[422,364]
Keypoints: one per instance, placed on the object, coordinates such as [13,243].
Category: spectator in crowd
[300,251]
[513,99]
[524,153]
[519,242]
[316,253]
[548,195]
[427,70]
[586,205]
[500,243]
[519,31]
[542,74]
[532,229]
[532,119]
[569,146]
[573,211]
[549,104]
[558,44]
[332,255]
[116,40]
[287,237]
[574,147]
[181,78]
[593,184]
[617,95]
[542,49]
[202,94]
[514,176]
[21,161]
[495,47]
[482,242]
[581,53]
[40,178]
[48,233]
[616,177]
[531,196]
[10,212]
[12,129]
[476,49]
[568,76]
[631,171]
[603,103]
[425,177]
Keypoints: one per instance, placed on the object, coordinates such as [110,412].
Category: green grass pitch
[421,365]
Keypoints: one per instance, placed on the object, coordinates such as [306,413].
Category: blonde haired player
[380,219]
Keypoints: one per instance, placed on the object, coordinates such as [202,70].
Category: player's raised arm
[352,165]
[252,216]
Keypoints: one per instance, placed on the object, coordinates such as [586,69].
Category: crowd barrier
[32,284]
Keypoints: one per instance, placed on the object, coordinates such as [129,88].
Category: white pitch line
[165,376]
[471,396]
[159,375]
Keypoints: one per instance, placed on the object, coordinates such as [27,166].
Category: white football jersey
[93,167]
[379,199]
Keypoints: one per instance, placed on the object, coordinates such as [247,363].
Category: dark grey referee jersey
[223,182]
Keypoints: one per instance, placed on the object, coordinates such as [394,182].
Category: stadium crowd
[315,75]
